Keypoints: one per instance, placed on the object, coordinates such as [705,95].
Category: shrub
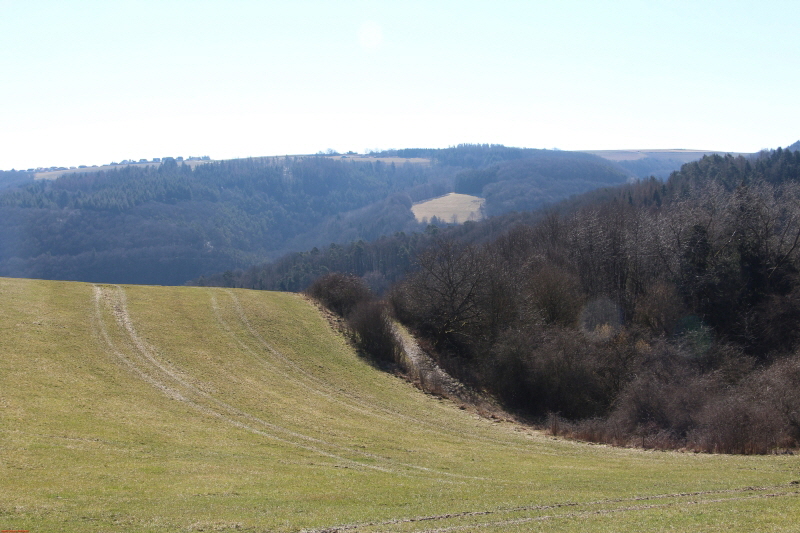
[339,292]
[736,423]
[550,369]
[371,324]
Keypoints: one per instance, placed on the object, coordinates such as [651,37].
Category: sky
[90,82]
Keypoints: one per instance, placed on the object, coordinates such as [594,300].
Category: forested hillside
[171,223]
[541,179]
[663,312]
[12,178]
[655,313]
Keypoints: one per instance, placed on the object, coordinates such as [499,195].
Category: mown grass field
[450,207]
[192,409]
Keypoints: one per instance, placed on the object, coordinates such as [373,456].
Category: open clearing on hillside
[134,408]
[452,207]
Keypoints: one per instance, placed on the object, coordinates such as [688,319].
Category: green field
[192,409]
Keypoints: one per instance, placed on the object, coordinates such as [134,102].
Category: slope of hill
[136,408]
[168,224]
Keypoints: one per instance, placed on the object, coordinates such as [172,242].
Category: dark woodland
[656,314]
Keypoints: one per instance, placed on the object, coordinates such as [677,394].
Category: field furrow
[374,406]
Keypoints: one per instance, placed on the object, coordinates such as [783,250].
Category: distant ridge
[681,154]
[794,147]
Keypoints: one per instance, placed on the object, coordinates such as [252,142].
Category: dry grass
[452,207]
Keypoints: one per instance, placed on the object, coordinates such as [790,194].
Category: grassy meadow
[461,207]
[145,409]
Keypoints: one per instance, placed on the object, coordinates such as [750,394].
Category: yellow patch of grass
[452,207]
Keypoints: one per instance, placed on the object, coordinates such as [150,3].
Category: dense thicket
[664,313]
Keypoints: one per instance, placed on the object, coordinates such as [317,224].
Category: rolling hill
[140,408]
[169,223]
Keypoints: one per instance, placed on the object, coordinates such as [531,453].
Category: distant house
[143,161]
[156,160]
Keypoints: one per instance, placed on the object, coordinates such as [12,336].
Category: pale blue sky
[89,82]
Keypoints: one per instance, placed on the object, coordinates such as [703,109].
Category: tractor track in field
[311,383]
[421,361]
[117,304]
[686,499]
[325,389]
[141,359]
